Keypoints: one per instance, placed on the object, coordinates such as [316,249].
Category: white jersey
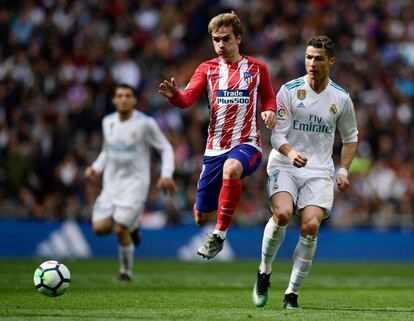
[125,158]
[307,121]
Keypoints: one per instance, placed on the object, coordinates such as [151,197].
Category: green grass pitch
[172,290]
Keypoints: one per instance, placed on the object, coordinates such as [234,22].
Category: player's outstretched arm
[168,89]
[168,185]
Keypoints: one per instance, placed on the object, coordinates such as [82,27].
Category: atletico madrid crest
[248,77]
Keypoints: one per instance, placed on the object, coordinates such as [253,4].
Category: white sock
[126,258]
[222,234]
[302,262]
[273,237]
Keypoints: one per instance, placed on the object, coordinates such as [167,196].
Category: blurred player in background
[300,168]
[125,161]
[233,83]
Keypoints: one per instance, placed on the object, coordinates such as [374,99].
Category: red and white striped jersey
[232,92]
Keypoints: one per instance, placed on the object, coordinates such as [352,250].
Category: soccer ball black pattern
[52,278]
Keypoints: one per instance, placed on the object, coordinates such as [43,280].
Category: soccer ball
[51,278]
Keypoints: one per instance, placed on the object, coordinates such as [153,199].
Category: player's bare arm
[269,118]
[91,173]
[168,185]
[298,159]
[347,154]
[168,89]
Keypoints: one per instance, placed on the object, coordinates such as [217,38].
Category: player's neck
[318,85]
[236,57]
[125,116]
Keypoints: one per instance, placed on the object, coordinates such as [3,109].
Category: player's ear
[331,61]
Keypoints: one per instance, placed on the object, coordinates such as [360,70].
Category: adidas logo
[67,241]
[301,105]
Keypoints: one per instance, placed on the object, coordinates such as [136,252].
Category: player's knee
[232,169]
[99,229]
[282,216]
[311,227]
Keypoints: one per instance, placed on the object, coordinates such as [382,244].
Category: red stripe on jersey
[232,109]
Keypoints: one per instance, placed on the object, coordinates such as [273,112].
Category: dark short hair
[226,19]
[323,42]
[125,86]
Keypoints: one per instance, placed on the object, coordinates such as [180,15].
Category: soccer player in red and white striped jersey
[234,83]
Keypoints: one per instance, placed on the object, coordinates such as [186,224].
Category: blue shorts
[211,177]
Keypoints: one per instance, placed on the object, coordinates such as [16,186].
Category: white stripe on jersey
[221,114]
[254,121]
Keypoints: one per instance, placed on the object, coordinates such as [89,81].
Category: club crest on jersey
[134,135]
[301,94]
[248,77]
[281,113]
[333,109]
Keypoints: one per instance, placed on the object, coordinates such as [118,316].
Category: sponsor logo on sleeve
[281,113]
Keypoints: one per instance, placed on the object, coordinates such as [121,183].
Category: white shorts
[305,190]
[104,208]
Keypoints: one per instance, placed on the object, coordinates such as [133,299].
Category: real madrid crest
[301,94]
[134,135]
[333,109]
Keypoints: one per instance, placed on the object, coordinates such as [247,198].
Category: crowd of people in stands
[60,60]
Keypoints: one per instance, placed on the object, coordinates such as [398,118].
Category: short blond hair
[226,19]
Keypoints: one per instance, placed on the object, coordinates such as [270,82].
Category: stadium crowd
[59,61]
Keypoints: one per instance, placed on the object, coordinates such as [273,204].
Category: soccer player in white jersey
[233,83]
[300,167]
[125,160]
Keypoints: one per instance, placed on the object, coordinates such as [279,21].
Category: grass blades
[172,290]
